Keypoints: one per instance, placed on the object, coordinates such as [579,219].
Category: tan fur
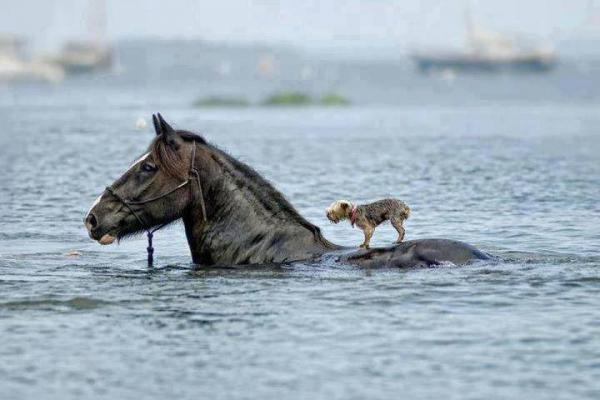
[369,216]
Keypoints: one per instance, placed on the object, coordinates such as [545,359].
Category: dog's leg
[397,224]
[368,231]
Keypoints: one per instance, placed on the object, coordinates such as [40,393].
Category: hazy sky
[310,23]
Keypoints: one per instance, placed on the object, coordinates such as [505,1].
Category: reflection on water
[516,174]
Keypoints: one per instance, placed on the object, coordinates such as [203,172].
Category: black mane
[187,135]
[264,192]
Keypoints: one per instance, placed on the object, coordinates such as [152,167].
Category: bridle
[147,227]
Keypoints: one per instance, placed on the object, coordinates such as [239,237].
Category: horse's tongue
[106,239]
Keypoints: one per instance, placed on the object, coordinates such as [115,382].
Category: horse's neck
[242,228]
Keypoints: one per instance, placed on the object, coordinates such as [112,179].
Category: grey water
[507,163]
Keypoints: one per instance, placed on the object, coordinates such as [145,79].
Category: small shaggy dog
[368,216]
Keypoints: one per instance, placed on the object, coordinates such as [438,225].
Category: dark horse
[231,214]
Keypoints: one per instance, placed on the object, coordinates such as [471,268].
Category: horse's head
[154,191]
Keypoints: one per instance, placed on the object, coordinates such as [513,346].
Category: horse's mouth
[103,237]
[107,239]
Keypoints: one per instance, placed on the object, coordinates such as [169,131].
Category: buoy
[141,123]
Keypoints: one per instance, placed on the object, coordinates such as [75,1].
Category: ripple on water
[53,304]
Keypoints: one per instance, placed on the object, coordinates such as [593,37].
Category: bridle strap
[150,232]
[127,204]
[150,200]
[194,171]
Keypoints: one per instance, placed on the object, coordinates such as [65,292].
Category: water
[509,164]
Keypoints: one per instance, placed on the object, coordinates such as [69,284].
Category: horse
[231,214]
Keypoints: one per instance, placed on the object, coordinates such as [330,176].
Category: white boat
[94,53]
[79,57]
[15,67]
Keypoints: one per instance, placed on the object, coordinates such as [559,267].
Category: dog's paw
[364,246]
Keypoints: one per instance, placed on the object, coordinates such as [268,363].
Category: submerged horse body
[231,214]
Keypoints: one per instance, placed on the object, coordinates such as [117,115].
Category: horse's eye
[148,167]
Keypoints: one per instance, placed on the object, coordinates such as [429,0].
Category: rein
[149,231]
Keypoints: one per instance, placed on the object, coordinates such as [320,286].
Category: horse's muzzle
[91,224]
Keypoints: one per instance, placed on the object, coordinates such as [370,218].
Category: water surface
[509,164]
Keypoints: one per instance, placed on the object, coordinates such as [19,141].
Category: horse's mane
[171,161]
[270,198]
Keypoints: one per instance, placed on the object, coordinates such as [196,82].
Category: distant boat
[523,61]
[14,67]
[489,52]
[85,57]
[91,55]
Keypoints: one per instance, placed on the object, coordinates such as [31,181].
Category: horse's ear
[156,125]
[169,135]
[166,128]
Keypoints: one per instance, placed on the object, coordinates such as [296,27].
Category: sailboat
[16,67]
[488,51]
[79,57]
[93,54]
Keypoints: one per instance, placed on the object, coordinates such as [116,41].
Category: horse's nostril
[91,221]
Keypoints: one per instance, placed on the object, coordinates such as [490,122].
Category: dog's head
[338,211]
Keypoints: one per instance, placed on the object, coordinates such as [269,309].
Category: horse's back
[414,253]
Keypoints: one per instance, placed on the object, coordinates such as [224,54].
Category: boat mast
[96,21]
[470,24]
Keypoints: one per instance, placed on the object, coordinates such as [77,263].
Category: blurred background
[365,52]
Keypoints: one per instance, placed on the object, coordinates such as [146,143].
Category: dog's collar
[353,215]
